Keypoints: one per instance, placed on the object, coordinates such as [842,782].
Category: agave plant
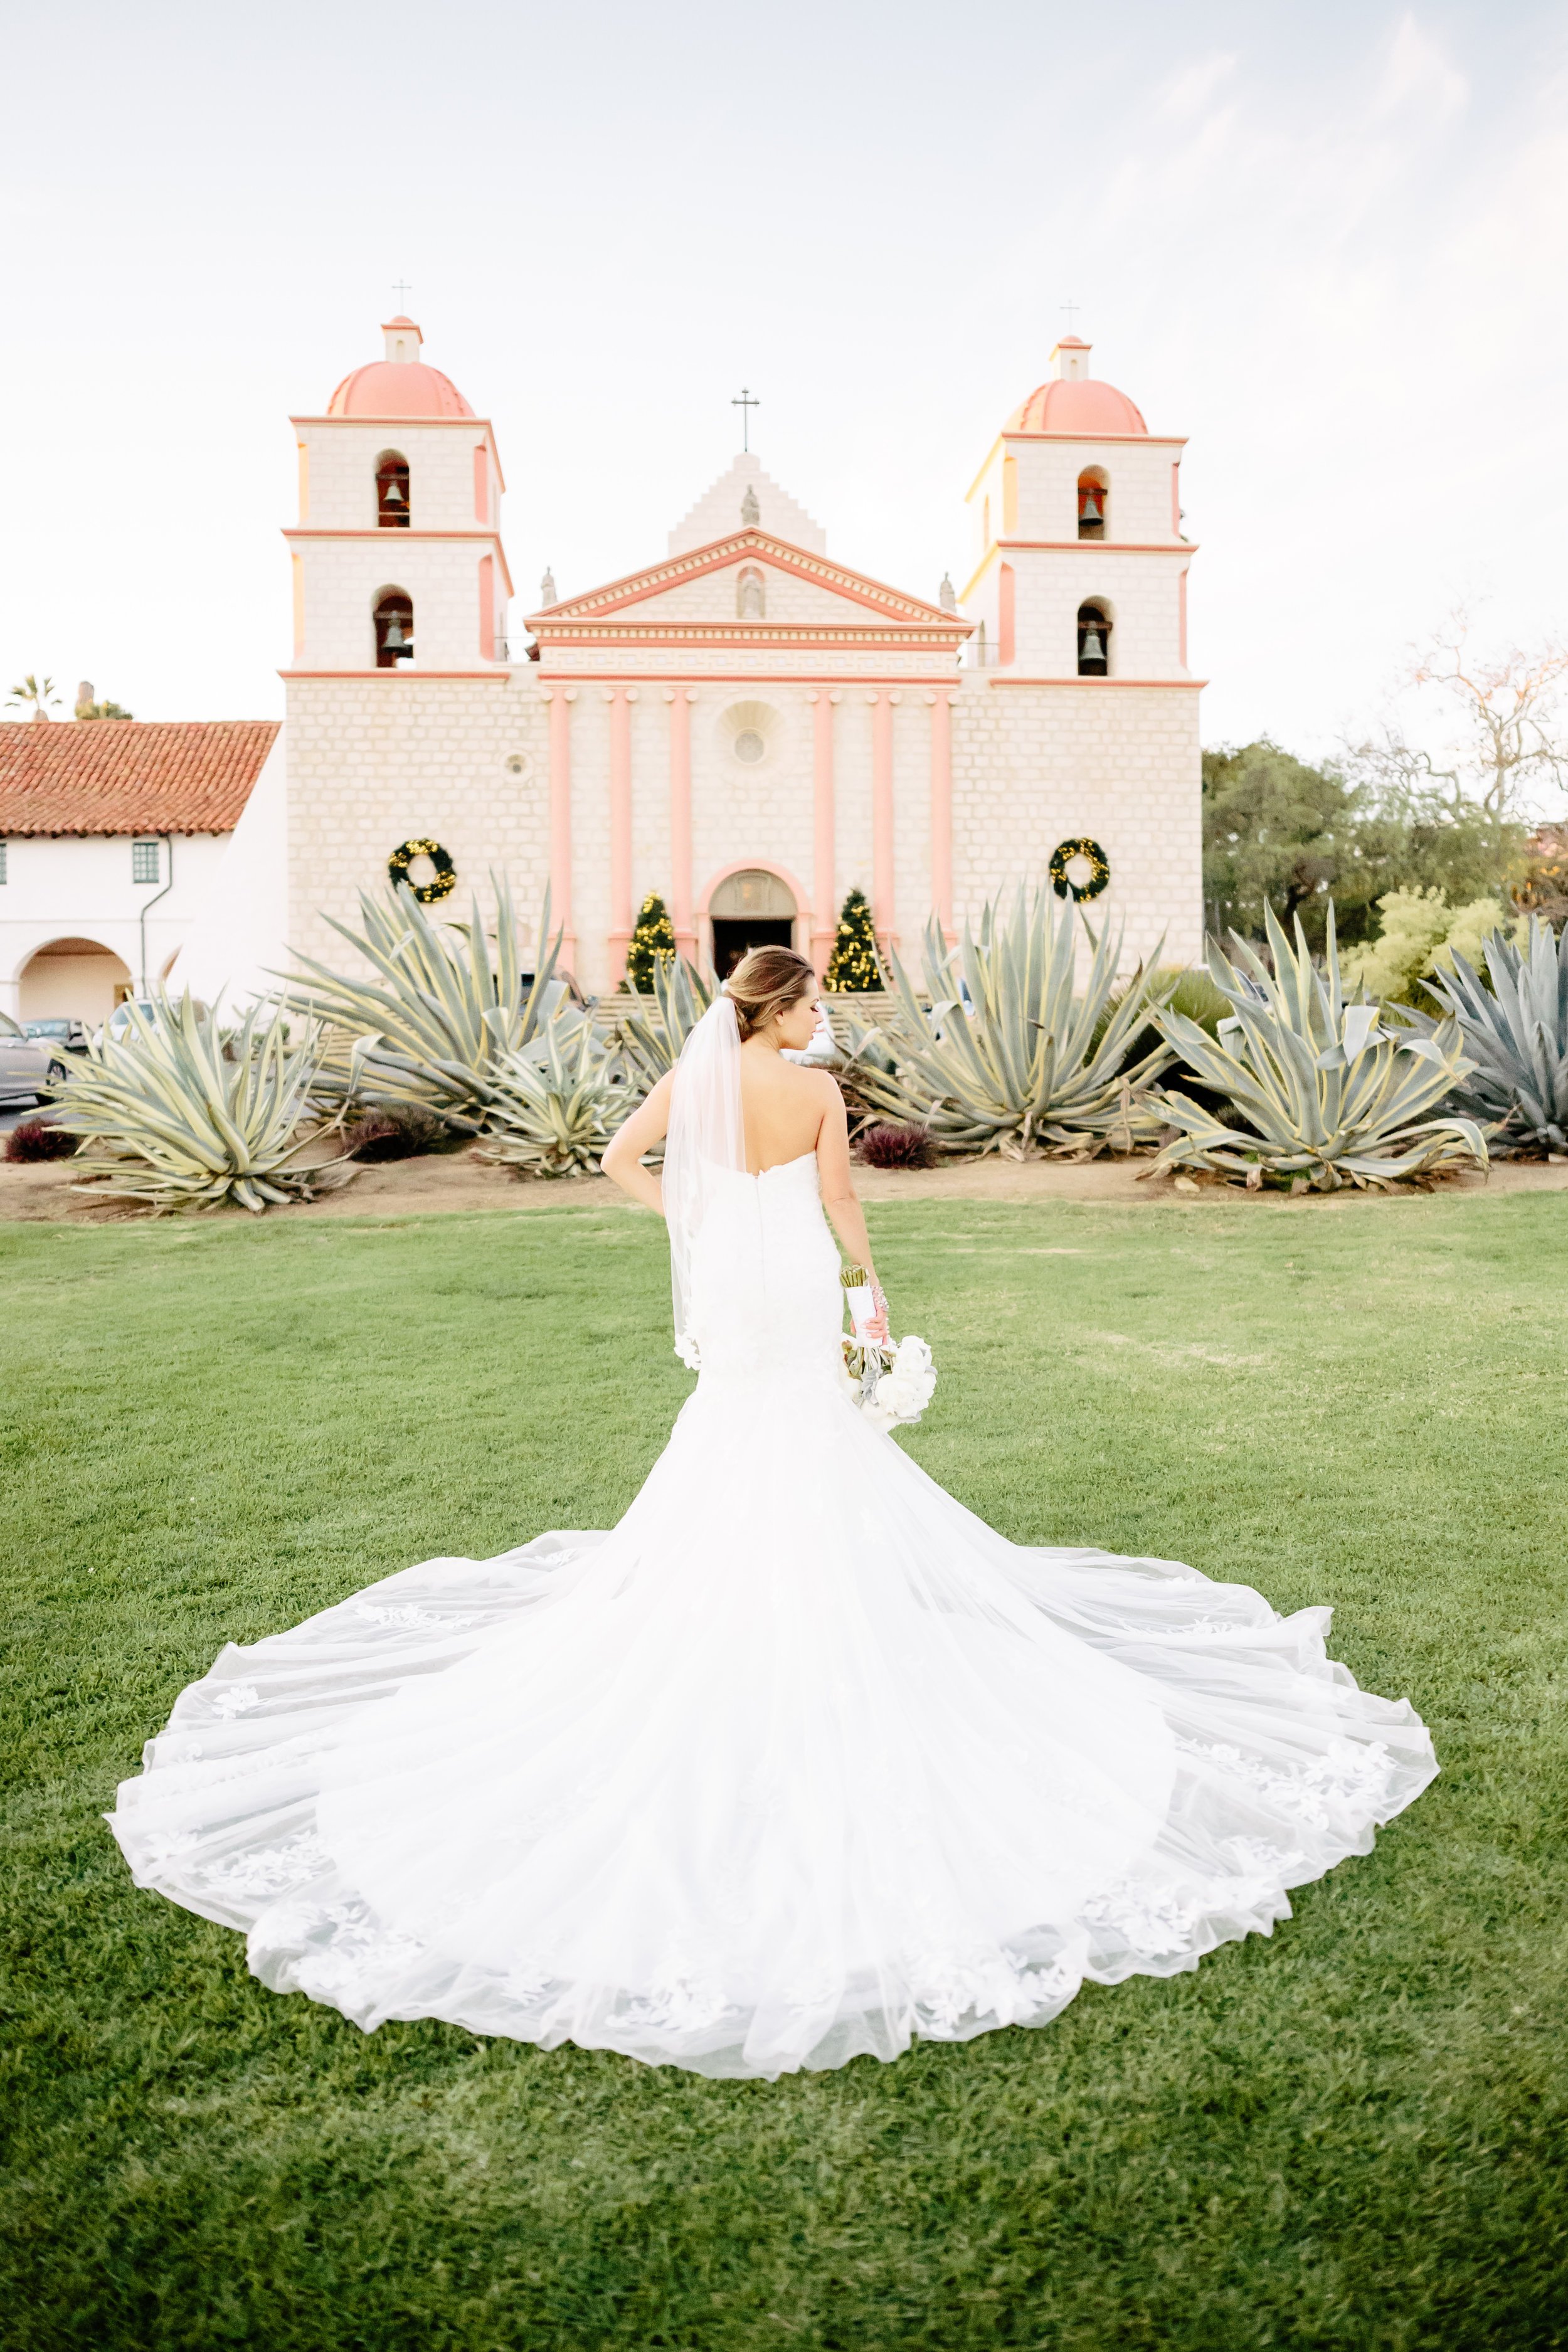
[1516,1035]
[180,1115]
[441,1018]
[1012,1054]
[555,1104]
[1327,1092]
[652,1033]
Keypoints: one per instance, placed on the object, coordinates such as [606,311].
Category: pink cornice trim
[1102,685]
[719,554]
[728,677]
[680,919]
[756,865]
[490,539]
[1107,546]
[499,675]
[1033,441]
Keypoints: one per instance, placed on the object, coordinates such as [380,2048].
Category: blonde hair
[766,983]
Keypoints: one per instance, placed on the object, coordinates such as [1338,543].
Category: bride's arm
[622,1163]
[837,1184]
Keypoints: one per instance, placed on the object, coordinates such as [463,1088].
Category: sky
[1326,241]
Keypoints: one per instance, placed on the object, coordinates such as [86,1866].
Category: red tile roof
[128,775]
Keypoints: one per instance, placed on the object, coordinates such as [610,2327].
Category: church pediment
[747,582]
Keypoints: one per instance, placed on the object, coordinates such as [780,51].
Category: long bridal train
[798,1761]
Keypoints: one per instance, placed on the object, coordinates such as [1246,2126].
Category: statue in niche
[750,512]
[751,603]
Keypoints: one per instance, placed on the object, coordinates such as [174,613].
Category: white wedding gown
[797,1762]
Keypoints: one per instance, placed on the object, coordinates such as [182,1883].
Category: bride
[801,1760]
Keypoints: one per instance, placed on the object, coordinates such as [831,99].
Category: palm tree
[38,692]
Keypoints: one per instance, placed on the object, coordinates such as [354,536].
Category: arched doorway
[750,908]
[73,980]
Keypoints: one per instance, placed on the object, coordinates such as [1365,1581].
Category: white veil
[705,1143]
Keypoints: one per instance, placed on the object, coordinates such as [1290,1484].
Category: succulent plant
[177,1114]
[1012,1052]
[555,1104]
[442,1016]
[1516,1035]
[654,1025]
[1324,1091]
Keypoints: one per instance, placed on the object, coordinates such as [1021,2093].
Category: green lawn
[1351,2136]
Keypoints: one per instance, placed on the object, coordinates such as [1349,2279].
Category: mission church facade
[747,726]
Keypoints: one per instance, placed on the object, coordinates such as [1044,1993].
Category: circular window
[749,746]
[517,763]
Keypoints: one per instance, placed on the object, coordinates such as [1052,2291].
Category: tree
[853,963]
[38,692]
[1276,832]
[1280,833]
[1512,736]
[654,935]
[103,711]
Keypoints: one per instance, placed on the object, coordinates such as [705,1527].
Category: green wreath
[443,882]
[1062,856]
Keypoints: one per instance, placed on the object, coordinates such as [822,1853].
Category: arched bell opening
[1093,502]
[394,628]
[392,508]
[1094,639]
[750,908]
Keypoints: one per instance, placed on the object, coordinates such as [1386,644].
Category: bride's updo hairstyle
[766,983]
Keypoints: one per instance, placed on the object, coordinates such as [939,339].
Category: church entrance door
[750,909]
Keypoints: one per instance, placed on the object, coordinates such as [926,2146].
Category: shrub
[1010,1054]
[1421,935]
[397,1131]
[37,1139]
[554,1106]
[901,1146]
[176,1118]
[652,1036]
[1516,1035]
[1324,1092]
[440,1017]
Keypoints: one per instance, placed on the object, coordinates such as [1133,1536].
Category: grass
[1351,2135]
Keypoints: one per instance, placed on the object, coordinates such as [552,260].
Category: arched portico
[753,902]
[74,977]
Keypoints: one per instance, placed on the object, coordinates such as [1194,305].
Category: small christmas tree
[853,963]
[654,935]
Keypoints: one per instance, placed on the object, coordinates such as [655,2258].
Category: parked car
[71,1033]
[122,1020]
[29,1065]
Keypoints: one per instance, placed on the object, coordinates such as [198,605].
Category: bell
[391,493]
[395,640]
[1090,509]
[1093,649]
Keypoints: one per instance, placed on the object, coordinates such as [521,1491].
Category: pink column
[561,698]
[620,938]
[681,699]
[1005,625]
[1184,617]
[823,880]
[941,810]
[487,608]
[882,816]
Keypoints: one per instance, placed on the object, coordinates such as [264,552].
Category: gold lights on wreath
[442,883]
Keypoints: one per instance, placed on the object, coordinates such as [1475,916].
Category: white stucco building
[113,834]
[746,726]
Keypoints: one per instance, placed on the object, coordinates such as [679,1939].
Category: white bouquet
[892,1383]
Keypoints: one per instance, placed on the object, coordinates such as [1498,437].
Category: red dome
[1084,406]
[397,388]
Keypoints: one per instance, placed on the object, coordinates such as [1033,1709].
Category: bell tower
[1080,565]
[397,561]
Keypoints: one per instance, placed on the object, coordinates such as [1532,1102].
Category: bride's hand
[879,1328]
